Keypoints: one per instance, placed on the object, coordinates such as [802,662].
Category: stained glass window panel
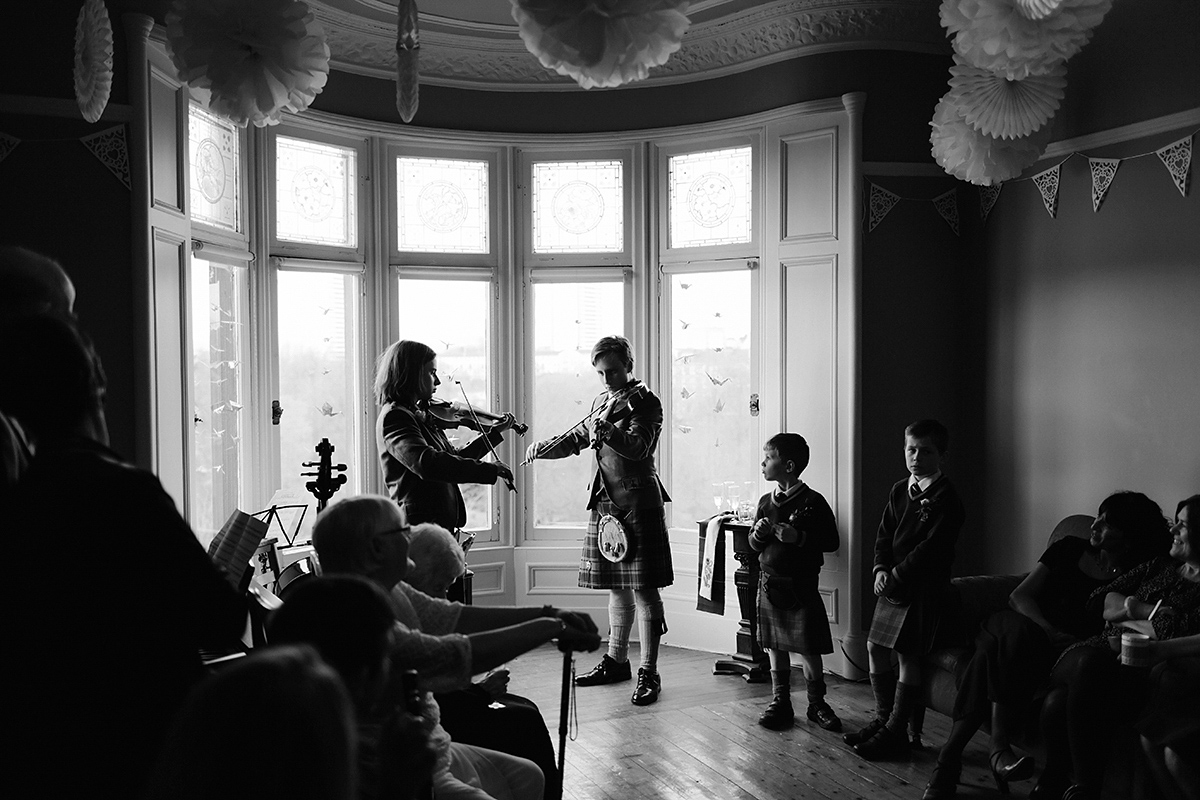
[712,436]
[321,380]
[316,202]
[219,345]
[215,167]
[578,207]
[710,198]
[454,318]
[442,205]
[568,320]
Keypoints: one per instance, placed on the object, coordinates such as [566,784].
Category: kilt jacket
[916,539]
[625,460]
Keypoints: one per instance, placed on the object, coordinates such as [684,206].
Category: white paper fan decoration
[1005,108]
[256,59]
[93,59]
[1037,9]
[972,156]
[602,43]
[994,35]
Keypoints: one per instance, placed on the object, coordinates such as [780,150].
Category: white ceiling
[474,43]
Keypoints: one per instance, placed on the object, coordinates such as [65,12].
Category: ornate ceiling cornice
[476,56]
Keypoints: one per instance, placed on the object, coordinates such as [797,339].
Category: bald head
[31,283]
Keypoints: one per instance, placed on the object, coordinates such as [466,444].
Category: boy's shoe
[883,746]
[823,715]
[648,687]
[609,670]
[862,734]
[778,715]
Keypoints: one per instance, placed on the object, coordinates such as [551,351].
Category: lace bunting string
[988,195]
[881,202]
[1103,171]
[1177,158]
[947,207]
[1047,184]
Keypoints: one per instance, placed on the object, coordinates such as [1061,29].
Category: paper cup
[1135,649]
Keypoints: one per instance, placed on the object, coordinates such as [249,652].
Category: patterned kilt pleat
[803,630]
[648,567]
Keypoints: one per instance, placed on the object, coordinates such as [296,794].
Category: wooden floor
[702,739]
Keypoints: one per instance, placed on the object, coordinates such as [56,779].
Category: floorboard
[702,740]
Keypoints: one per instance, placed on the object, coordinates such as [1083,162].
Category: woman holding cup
[1092,689]
[1170,721]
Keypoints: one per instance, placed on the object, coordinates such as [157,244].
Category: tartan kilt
[649,565]
[802,630]
[909,629]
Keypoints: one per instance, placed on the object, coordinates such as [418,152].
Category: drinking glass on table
[718,492]
[733,495]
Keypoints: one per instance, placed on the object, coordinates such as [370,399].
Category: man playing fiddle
[626,549]
[421,468]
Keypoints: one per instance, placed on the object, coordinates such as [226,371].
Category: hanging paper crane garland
[408,49]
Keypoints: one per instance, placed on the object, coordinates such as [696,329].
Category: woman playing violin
[420,466]
[626,498]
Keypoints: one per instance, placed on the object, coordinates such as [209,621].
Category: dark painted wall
[923,311]
[1092,342]
[62,201]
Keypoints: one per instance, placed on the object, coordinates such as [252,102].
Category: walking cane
[563,713]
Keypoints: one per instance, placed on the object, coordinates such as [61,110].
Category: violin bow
[511,486]
[555,440]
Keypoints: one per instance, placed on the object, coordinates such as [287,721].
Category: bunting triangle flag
[1103,172]
[947,206]
[1177,158]
[109,146]
[1047,184]
[988,195]
[7,145]
[881,202]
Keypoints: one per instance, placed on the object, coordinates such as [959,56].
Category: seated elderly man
[112,595]
[30,283]
[445,642]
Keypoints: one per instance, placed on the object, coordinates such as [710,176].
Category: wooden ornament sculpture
[408,48]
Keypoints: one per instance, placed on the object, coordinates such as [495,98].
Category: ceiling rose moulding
[766,35]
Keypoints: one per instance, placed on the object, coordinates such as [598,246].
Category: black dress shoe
[607,671]
[883,746]
[648,687]
[823,715]
[778,715]
[862,734]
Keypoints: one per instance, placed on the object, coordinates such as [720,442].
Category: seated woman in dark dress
[1092,695]
[1047,612]
[1170,721]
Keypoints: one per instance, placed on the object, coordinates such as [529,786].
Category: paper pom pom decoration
[994,35]
[93,59]
[256,59]
[1037,9]
[601,43]
[1003,108]
[976,157]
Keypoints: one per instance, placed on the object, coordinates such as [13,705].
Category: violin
[326,482]
[449,414]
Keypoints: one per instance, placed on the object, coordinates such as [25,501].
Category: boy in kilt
[626,549]
[793,528]
[914,549]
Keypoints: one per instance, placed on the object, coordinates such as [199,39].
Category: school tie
[914,490]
